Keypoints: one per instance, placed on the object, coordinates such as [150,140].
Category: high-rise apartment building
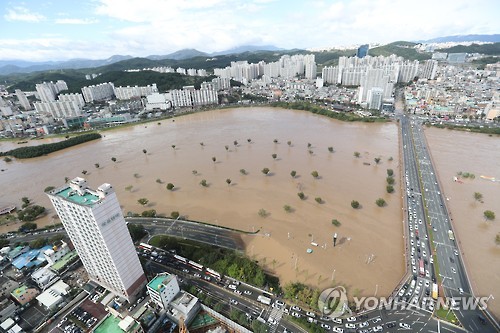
[97,229]
[362,51]
[98,92]
[23,100]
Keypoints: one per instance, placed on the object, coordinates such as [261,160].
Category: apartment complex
[95,225]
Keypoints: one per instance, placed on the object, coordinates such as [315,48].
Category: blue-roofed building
[32,258]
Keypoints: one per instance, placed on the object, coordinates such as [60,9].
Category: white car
[378,328]
[311,314]
[337,320]
[312,320]
[453,270]
[456,252]
[405,326]
[235,302]
[326,326]
[350,325]
[232,287]
[247,292]
[337,329]
[460,290]
[351,319]
[296,308]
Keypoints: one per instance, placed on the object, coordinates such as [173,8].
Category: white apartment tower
[23,100]
[95,225]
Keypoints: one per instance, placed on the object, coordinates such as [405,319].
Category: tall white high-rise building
[23,100]
[97,229]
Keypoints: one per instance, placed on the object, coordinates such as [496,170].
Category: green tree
[97,165]
[497,239]
[170,186]
[390,180]
[390,159]
[194,172]
[7,159]
[49,188]
[228,181]
[287,208]
[84,172]
[315,174]
[489,215]
[377,160]
[113,159]
[390,172]
[355,204]
[28,226]
[202,144]
[173,147]
[336,222]
[293,173]
[330,149]
[136,175]
[128,188]
[389,188]
[219,306]
[275,140]
[175,214]
[478,196]
[159,181]
[249,140]
[227,148]
[235,143]
[301,195]
[38,243]
[265,171]
[289,143]
[25,201]
[243,171]
[309,145]
[143,201]
[357,154]
[318,200]
[263,213]
[30,213]
[204,183]
[214,159]
[144,151]
[380,202]
[137,231]
[66,179]
[274,156]
[149,213]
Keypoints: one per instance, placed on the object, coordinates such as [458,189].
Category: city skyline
[98,29]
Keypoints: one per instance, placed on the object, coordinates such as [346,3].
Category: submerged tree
[265,171]
[170,186]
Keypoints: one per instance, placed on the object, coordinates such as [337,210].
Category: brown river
[368,257]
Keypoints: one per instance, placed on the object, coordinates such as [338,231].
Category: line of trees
[47,148]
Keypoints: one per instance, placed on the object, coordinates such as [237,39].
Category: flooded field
[368,257]
[452,152]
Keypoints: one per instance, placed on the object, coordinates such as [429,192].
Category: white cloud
[74,21]
[22,14]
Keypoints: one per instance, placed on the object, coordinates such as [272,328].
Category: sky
[39,30]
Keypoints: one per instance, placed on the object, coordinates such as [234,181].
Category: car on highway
[456,252]
[312,320]
[233,301]
[247,292]
[296,315]
[238,292]
[460,290]
[453,270]
[232,286]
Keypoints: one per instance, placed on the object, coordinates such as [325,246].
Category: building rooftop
[156,283]
[109,325]
[87,198]
[66,259]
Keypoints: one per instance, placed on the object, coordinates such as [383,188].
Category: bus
[195,265]
[213,273]
[434,291]
[450,235]
[264,299]
[421,268]
[146,246]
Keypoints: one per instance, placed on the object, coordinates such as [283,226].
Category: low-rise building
[24,294]
[53,296]
[163,289]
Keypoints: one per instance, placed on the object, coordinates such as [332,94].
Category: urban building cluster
[457,93]
[110,293]
[361,81]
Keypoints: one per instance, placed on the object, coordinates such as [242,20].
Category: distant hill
[489,49]
[464,38]
[401,48]
[16,66]
[179,55]
[247,48]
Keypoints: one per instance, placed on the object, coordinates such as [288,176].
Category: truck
[434,291]
[264,299]
[450,235]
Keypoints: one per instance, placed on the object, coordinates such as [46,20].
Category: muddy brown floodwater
[452,152]
[369,256]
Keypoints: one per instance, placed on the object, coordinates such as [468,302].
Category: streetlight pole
[333,274]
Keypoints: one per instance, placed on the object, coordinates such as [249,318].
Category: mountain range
[21,66]
[464,38]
